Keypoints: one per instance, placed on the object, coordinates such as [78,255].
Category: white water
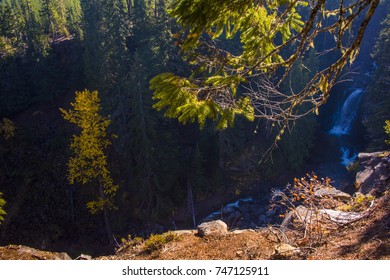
[347,115]
[347,157]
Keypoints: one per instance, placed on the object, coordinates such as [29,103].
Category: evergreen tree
[74,17]
[89,162]
[7,130]
[105,61]
[53,14]
[295,149]
[377,105]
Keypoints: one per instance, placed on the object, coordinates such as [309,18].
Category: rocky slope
[326,236]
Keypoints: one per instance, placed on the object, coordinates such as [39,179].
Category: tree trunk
[129,8]
[107,219]
[190,201]
[72,204]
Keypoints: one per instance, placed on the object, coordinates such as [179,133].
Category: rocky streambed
[253,212]
[246,213]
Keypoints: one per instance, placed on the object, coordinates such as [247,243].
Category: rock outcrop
[20,252]
[374,171]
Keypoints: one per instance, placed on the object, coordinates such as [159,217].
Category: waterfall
[343,125]
[347,115]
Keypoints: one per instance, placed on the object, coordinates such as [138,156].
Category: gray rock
[373,171]
[21,252]
[84,257]
[214,227]
[286,251]
[367,158]
[231,207]
[362,179]
[332,192]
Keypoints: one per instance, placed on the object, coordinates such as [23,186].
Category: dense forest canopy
[217,63]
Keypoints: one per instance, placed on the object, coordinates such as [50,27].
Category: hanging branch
[274,38]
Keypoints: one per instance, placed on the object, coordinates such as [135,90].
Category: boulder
[332,192]
[286,251]
[212,228]
[374,170]
[20,252]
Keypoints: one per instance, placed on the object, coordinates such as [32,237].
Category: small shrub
[157,241]
[387,130]
[309,226]
[130,242]
[360,202]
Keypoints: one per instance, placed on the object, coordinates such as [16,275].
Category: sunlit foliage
[89,161]
[274,35]
[2,212]
[387,130]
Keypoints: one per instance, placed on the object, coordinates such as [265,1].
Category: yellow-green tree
[88,164]
[2,212]
[387,130]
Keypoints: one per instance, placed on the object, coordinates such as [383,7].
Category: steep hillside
[351,227]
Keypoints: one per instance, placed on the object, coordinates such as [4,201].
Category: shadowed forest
[101,134]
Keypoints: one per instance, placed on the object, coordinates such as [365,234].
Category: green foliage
[377,105]
[186,99]
[158,241]
[387,130]
[7,128]
[273,36]
[358,203]
[2,204]
[53,13]
[27,50]
[89,161]
[180,96]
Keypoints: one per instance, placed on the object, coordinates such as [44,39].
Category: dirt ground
[365,239]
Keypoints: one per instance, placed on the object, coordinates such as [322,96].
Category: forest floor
[368,238]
